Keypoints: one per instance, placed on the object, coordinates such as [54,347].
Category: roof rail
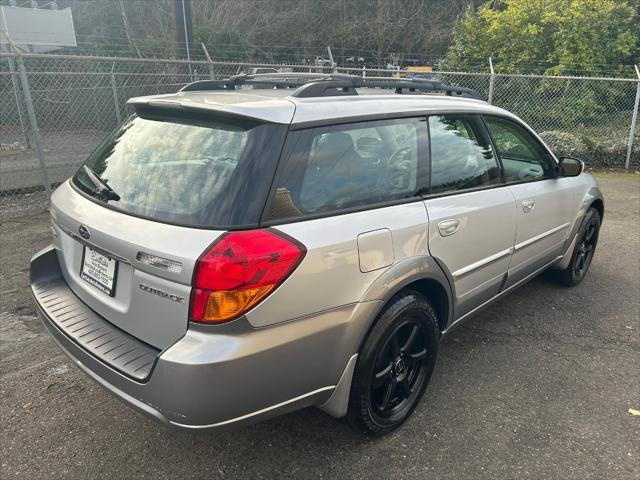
[325,88]
[208,85]
[283,80]
[225,84]
[310,85]
[413,85]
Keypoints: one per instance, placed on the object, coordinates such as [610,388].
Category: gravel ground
[64,152]
[538,386]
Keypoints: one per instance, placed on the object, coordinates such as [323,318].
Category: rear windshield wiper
[105,190]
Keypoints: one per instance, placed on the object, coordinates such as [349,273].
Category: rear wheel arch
[423,274]
[437,295]
[431,288]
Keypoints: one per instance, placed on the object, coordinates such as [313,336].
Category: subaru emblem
[84,232]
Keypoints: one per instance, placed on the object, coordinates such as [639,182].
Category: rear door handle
[448,227]
[527,205]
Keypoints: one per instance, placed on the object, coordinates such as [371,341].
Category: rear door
[544,202]
[472,216]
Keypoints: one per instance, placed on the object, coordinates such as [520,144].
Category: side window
[461,155]
[341,166]
[523,157]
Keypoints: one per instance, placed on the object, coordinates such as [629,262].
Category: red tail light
[239,270]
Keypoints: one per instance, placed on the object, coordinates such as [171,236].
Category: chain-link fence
[55,109]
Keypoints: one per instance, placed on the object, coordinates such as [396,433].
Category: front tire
[583,252]
[394,365]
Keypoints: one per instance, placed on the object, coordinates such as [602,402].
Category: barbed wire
[121,46]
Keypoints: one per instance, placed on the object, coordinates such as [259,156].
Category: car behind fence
[55,109]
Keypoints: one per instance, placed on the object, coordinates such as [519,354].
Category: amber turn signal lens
[227,305]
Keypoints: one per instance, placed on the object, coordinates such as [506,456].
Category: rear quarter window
[332,168]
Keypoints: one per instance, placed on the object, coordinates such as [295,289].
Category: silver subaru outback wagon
[240,249]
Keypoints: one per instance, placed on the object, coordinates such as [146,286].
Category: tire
[582,253]
[400,351]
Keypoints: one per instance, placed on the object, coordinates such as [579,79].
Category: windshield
[205,173]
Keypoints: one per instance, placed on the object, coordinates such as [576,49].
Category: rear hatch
[131,224]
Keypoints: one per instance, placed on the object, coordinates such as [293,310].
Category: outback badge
[161,293]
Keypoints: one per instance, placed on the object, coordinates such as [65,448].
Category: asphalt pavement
[538,386]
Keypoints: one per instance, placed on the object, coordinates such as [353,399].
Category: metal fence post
[334,65]
[212,72]
[35,132]
[492,80]
[114,89]
[16,92]
[634,122]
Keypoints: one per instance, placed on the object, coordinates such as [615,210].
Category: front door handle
[527,205]
[448,227]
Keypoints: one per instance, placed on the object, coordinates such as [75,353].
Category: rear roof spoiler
[176,107]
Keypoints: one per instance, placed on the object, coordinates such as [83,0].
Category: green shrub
[597,147]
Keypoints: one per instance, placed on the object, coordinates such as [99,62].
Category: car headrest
[332,147]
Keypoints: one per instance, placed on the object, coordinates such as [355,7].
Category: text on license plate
[99,270]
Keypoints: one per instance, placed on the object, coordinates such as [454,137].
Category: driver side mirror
[571,167]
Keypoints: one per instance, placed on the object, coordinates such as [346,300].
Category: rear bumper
[64,310]
[215,377]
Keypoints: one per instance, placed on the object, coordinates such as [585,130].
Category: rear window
[197,172]
[332,168]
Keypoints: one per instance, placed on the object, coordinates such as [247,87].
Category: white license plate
[99,270]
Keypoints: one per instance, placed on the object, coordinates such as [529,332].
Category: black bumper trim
[83,326]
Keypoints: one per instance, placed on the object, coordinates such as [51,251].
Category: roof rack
[237,80]
[309,85]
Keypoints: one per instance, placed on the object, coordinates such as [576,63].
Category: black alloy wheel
[400,369]
[394,364]
[586,249]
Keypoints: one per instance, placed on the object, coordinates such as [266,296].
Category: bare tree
[371,28]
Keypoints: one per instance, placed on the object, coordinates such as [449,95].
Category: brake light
[239,270]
